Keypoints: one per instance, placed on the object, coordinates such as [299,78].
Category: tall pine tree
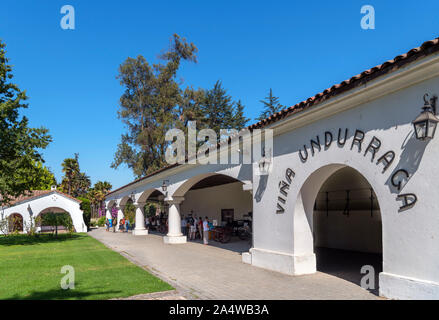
[154,102]
[271,106]
[150,107]
[220,111]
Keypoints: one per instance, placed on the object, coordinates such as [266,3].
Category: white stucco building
[347,172]
[27,208]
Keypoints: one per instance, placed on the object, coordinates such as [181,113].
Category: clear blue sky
[298,48]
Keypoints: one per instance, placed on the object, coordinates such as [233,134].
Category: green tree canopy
[129,212]
[154,102]
[149,107]
[20,145]
[271,106]
[220,111]
[74,182]
[96,195]
[44,179]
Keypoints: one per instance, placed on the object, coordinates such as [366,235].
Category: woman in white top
[193,228]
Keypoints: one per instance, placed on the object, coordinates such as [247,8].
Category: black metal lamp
[264,164]
[425,124]
[133,197]
[165,185]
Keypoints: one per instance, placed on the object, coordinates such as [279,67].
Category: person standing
[205,230]
[147,223]
[183,225]
[107,224]
[193,228]
[200,227]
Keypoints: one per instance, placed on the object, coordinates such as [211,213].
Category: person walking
[127,225]
[200,227]
[206,230]
[107,224]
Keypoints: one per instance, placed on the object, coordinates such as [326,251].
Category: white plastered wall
[209,201]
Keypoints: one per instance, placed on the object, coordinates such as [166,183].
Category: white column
[174,222]
[120,215]
[107,212]
[247,256]
[140,229]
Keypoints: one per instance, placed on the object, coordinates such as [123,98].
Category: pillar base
[174,239]
[140,232]
[398,287]
[281,262]
[247,257]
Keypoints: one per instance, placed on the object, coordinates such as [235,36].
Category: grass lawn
[30,268]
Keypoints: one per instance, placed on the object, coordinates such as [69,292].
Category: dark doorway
[347,228]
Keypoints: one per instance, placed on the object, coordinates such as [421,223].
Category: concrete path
[208,272]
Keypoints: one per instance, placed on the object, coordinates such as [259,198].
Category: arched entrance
[227,206]
[338,226]
[154,210]
[15,222]
[44,225]
[347,227]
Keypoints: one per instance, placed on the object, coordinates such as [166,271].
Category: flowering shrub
[114,213]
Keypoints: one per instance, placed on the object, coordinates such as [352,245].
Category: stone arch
[189,183]
[57,208]
[303,217]
[147,193]
[123,201]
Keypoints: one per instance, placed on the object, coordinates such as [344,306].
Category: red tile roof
[426,49]
[38,193]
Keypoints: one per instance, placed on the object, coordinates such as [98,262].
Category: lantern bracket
[430,105]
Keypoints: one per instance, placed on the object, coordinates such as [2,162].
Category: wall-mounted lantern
[425,124]
[165,186]
[133,197]
[264,163]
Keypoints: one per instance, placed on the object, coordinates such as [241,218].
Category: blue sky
[298,48]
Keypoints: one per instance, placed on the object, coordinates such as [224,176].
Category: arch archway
[15,222]
[341,223]
[42,227]
[222,199]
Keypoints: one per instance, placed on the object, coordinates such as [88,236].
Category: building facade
[347,171]
[23,211]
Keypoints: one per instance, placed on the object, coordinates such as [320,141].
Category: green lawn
[30,268]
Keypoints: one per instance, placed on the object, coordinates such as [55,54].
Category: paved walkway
[209,272]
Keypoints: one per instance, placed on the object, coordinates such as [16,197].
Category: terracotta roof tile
[36,194]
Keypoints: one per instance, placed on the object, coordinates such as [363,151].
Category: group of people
[192,226]
[124,224]
[153,222]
